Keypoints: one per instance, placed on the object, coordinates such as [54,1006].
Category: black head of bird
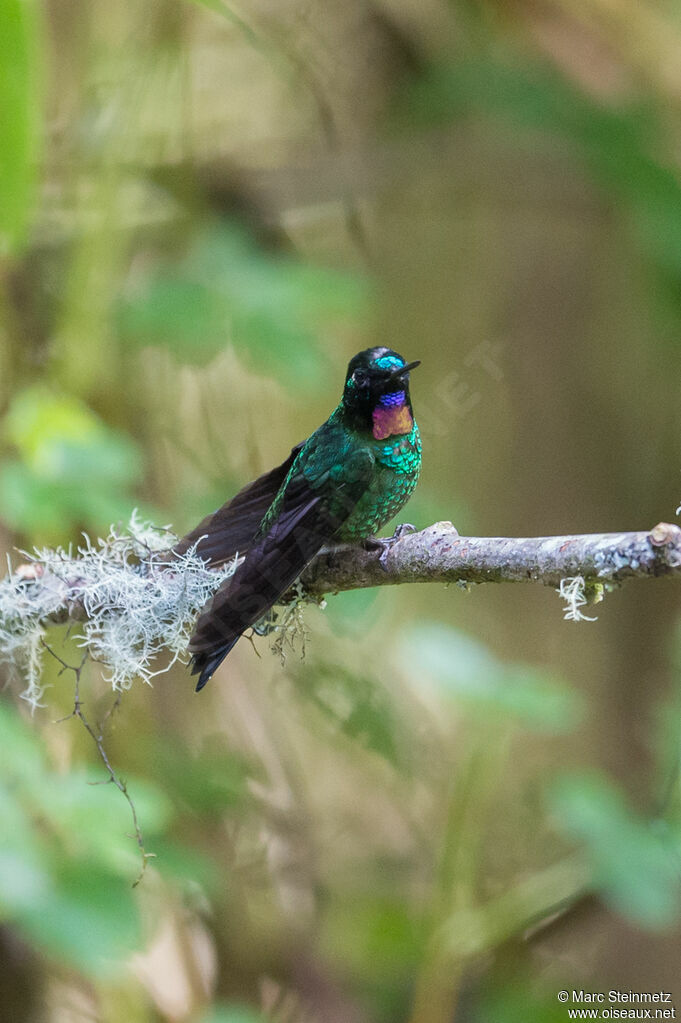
[376,377]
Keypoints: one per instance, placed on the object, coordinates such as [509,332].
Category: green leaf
[205,783]
[213,5]
[73,470]
[355,705]
[60,438]
[467,671]
[227,289]
[232,1014]
[89,918]
[23,882]
[636,863]
[20,61]
[64,878]
[348,609]
[220,7]
[518,1000]
[19,752]
[368,926]
[30,505]
[618,145]
[93,818]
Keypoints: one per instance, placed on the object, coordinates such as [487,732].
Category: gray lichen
[573,591]
[131,602]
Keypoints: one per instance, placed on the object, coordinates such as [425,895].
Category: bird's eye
[361,377]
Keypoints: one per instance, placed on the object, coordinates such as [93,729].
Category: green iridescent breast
[398,463]
[333,453]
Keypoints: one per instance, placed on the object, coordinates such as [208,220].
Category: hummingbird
[341,485]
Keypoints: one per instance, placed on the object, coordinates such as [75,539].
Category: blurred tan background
[229,202]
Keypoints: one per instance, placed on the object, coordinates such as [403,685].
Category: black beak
[402,371]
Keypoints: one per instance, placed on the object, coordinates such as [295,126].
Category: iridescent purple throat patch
[392,419]
[396,398]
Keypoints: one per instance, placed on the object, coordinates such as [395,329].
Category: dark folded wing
[309,515]
[232,528]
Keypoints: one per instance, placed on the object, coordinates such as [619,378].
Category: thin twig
[97,738]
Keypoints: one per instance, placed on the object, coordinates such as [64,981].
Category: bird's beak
[401,372]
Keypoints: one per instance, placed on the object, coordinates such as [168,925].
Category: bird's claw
[385,544]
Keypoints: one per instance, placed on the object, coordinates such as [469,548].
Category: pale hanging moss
[131,602]
[573,592]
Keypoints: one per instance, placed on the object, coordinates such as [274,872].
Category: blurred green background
[457,803]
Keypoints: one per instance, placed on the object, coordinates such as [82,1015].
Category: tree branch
[133,601]
[439,554]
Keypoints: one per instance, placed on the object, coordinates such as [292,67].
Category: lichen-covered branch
[439,554]
[130,603]
[134,602]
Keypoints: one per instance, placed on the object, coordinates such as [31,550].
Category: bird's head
[377,378]
[376,395]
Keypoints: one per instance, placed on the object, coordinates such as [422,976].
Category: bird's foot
[385,544]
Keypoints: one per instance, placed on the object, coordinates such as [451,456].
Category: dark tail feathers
[206,663]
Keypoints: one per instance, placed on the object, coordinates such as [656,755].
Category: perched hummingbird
[340,485]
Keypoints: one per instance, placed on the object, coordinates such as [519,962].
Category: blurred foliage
[635,862]
[227,288]
[509,1003]
[233,1014]
[21,68]
[66,860]
[622,146]
[468,673]
[72,469]
[202,784]
[387,831]
[357,707]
